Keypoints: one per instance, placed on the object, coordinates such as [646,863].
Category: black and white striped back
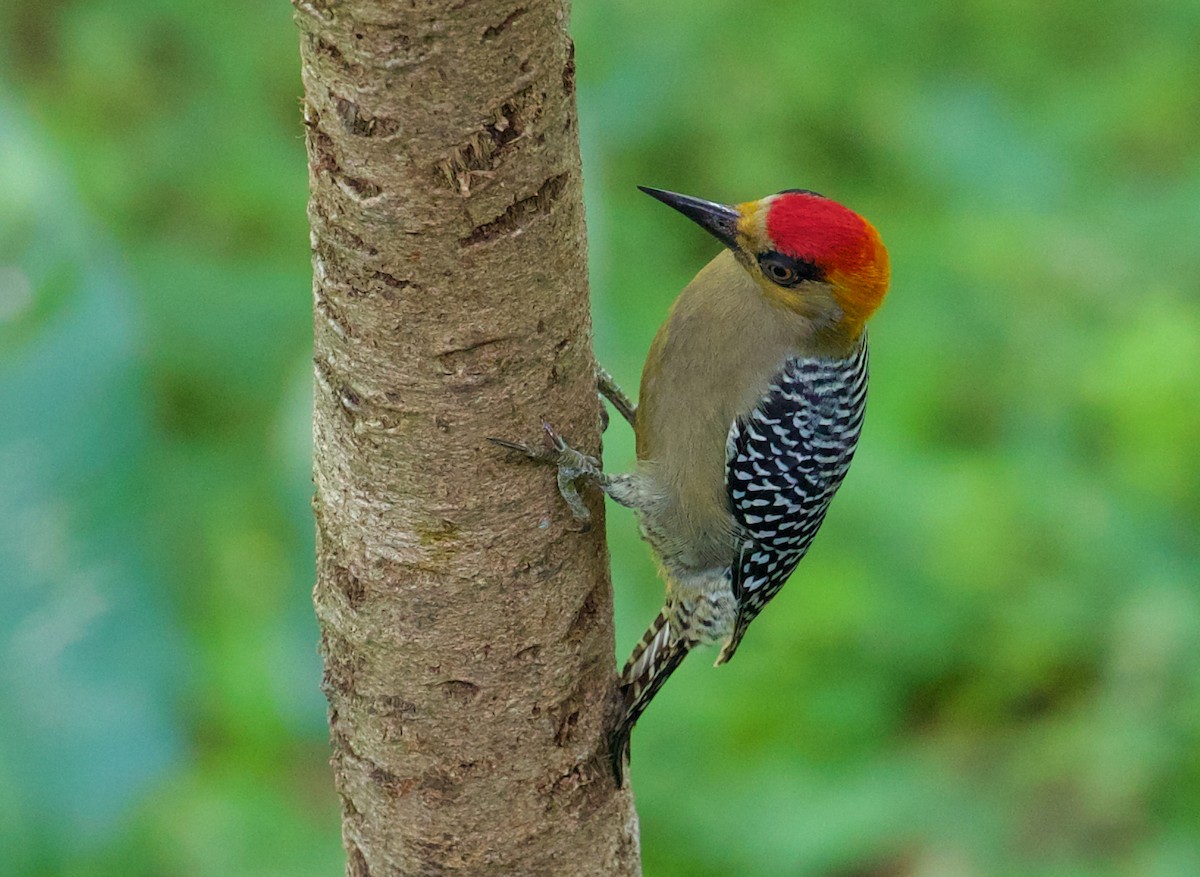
[784,462]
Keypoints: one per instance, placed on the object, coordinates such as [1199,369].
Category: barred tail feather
[652,633]
[651,664]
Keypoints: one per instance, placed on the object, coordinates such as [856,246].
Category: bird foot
[572,466]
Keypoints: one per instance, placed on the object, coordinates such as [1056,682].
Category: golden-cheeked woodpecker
[751,404]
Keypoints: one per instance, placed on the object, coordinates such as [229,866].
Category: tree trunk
[466,619]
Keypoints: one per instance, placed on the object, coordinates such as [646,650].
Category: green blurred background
[988,665]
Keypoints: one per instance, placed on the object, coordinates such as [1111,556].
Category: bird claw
[572,465]
[514,446]
[608,389]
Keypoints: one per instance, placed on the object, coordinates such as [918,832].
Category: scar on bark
[494,30]
[480,154]
[361,123]
[518,213]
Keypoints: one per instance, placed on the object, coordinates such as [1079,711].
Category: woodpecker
[751,404]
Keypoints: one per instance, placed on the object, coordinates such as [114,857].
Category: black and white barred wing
[784,462]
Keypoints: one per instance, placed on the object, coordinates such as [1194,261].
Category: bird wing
[785,460]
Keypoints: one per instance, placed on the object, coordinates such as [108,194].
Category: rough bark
[466,619]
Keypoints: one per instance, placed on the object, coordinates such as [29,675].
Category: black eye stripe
[787,271]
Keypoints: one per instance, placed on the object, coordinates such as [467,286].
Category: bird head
[805,252]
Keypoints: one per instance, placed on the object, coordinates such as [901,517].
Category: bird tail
[653,661]
[735,639]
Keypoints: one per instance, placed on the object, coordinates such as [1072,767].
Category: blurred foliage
[989,663]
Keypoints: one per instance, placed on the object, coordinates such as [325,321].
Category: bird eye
[780,273]
[785,270]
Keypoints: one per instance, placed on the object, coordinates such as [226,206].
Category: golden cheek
[751,227]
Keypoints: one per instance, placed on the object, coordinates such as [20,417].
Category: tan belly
[702,373]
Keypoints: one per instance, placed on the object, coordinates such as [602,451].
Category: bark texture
[466,619]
